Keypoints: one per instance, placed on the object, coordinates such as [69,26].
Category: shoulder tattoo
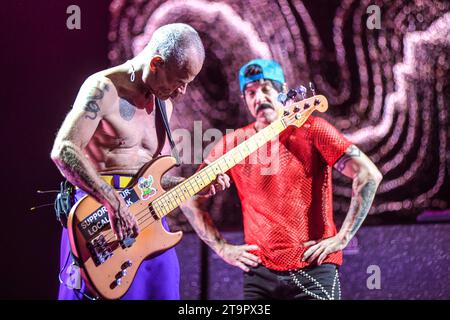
[92,107]
[351,152]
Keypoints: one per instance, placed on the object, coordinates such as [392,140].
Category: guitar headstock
[297,112]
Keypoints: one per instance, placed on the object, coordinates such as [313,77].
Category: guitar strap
[163,115]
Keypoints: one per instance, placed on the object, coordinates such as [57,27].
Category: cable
[76,290]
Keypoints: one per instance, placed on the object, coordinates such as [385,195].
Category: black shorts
[316,282]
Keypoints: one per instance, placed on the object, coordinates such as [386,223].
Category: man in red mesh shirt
[292,249]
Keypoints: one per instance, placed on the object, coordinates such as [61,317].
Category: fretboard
[191,186]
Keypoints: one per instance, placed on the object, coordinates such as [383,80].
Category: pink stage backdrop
[388,88]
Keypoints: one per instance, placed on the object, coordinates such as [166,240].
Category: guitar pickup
[100,250]
[153,212]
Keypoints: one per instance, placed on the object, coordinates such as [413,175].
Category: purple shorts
[157,278]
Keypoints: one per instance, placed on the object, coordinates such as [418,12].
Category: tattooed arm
[235,255]
[93,102]
[194,211]
[366,178]
[197,215]
[168,182]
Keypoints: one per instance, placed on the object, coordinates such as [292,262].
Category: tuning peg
[291,94]
[312,88]
[302,90]
[282,97]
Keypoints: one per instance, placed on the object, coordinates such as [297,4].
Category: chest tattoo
[126,109]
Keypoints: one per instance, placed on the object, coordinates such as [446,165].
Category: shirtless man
[111,132]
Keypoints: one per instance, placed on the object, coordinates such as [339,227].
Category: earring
[133,73]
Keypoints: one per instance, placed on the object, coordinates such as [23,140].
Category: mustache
[264,105]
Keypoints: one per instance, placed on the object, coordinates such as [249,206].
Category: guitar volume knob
[126,264]
[121,274]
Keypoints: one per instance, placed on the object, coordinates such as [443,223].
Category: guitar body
[107,265]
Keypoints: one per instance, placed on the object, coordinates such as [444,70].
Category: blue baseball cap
[271,70]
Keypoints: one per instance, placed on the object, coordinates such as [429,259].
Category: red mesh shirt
[286,190]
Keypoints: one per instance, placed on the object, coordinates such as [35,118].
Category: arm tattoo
[366,179]
[168,182]
[361,206]
[205,229]
[106,188]
[74,167]
[351,152]
[126,109]
[92,106]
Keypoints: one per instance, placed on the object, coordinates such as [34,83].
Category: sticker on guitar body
[99,220]
[145,185]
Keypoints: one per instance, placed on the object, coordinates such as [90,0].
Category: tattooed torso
[125,139]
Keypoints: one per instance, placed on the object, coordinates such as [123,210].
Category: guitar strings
[109,234]
[141,219]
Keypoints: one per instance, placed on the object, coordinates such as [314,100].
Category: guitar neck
[173,198]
